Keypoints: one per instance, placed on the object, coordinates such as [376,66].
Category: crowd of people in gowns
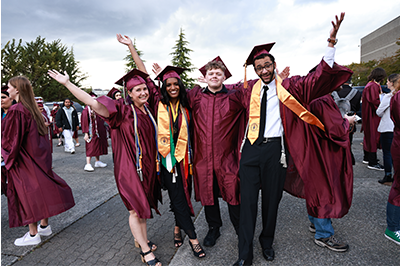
[272,134]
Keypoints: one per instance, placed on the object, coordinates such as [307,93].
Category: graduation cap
[217,59]
[257,50]
[170,72]
[132,78]
[4,90]
[112,93]
[92,94]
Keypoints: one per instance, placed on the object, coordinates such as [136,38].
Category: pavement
[96,230]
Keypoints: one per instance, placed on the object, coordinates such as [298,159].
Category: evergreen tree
[34,59]
[131,64]
[181,59]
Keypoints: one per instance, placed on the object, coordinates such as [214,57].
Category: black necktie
[263,114]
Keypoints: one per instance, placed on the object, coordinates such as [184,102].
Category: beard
[267,77]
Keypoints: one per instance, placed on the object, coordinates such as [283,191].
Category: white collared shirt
[273,122]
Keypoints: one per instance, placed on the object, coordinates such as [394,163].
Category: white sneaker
[88,167]
[44,231]
[72,151]
[100,164]
[27,240]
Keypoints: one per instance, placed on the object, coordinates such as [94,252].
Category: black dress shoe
[240,262]
[269,254]
[211,237]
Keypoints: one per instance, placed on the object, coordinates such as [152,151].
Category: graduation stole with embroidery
[170,153]
[286,98]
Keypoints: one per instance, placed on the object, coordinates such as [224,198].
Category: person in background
[95,137]
[56,107]
[75,136]
[392,231]
[6,101]
[47,123]
[385,129]
[370,120]
[67,122]
[34,192]
[114,94]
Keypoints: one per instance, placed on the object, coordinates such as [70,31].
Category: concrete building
[381,42]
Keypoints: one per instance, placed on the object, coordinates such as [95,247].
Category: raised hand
[156,69]
[284,74]
[60,78]
[202,79]
[124,39]
[336,25]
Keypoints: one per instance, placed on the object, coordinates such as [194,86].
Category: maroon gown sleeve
[394,195]
[114,108]
[85,120]
[12,137]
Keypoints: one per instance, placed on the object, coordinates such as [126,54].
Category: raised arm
[128,42]
[78,93]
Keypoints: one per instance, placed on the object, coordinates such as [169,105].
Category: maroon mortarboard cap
[55,104]
[112,92]
[258,50]
[170,72]
[227,73]
[4,88]
[39,99]
[132,78]
[92,94]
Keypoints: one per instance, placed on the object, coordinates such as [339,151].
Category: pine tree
[181,59]
[131,64]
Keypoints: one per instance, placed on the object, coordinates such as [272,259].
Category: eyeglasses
[266,66]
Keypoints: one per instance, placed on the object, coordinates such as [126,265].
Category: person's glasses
[266,66]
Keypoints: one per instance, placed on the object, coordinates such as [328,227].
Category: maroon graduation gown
[49,130]
[394,195]
[370,120]
[98,145]
[34,191]
[328,183]
[136,195]
[218,126]
[297,133]
[154,99]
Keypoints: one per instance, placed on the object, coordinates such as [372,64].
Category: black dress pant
[260,167]
[178,202]
[213,213]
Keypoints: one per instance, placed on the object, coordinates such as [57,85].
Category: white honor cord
[174,175]
[283,154]
[244,138]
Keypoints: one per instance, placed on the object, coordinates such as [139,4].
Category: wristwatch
[332,41]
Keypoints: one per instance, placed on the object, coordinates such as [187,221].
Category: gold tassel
[245,77]
[158,166]
[190,169]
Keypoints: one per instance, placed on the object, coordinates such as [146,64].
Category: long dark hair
[377,74]
[27,99]
[182,94]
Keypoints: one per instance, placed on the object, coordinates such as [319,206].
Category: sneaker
[72,151]
[365,162]
[28,240]
[100,164]
[393,236]
[88,167]
[311,228]
[376,167]
[44,231]
[332,243]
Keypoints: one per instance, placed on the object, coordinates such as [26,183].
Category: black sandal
[152,246]
[197,250]
[178,240]
[152,262]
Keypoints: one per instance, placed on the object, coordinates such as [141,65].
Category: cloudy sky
[228,28]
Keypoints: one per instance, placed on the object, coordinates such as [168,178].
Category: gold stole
[286,98]
[164,134]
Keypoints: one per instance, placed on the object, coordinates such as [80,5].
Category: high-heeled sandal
[152,246]
[197,250]
[178,240]
[153,262]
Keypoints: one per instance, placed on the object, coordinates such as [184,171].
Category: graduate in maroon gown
[34,191]
[277,111]
[134,147]
[6,103]
[328,183]
[174,143]
[95,137]
[370,120]
[48,125]
[393,206]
